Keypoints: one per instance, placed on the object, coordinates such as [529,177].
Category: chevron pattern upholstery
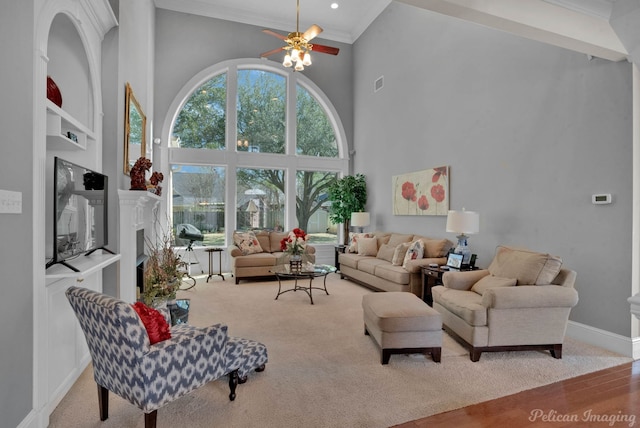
[151,376]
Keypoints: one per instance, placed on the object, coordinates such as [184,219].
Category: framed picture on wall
[421,193]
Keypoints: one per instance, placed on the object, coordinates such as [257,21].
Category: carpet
[324,372]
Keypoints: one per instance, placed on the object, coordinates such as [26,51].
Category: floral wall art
[422,192]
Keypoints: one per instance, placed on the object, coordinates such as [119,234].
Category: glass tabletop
[307,270]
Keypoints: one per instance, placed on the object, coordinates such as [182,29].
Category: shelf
[59,123]
[85,264]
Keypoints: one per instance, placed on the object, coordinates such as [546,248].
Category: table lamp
[463,222]
[360,220]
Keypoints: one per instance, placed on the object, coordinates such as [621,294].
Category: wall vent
[378,84]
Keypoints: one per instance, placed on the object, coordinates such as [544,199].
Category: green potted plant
[347,195]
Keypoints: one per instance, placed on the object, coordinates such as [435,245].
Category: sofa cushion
[396,274]
[398,254]
[396,239]
[369,264]
[353,241]
[465,304]
[550,270]
[367,247]
[491,281]
[274,240]
[247,242]
[255,260]
[415,251]
[382,237]
[349,259]
[385,252]
[523,265]
[436,247]
[263,239]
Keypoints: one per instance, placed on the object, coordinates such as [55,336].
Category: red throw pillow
[157,327]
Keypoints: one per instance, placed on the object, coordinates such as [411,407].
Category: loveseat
[386,261]
[521,301]
[254,254]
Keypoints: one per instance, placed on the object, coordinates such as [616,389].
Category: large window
[270,145]
[199,201]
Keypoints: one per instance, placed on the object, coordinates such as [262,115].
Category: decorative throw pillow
[353,246]
[385,252]
[414,252]
[247,242]
[436,247]
[367,247]
[399,253]
[156,325]
[491,281]
[550,270]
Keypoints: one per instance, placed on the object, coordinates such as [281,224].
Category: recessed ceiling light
[334,5]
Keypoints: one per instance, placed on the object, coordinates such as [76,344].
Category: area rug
[324,372]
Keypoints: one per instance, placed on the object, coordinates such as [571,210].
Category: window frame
[231,159]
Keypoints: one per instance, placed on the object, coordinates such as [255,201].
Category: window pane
[198,201]
[261,111]
[201,122]
[312,207]
[314,133]
[260,199]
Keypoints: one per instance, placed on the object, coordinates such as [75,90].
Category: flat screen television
[80,210]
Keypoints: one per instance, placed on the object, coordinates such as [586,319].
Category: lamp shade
[463,222]
[360,219]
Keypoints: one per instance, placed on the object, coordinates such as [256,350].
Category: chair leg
[233,383]
[150,419]
[556,352]
[103,402]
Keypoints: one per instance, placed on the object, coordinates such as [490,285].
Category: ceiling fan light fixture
[287,61]
[299,66]
[295,54]
[306,60]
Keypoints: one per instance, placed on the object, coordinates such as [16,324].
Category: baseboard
[33,420]
[605,339]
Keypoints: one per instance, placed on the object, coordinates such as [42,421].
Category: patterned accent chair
[150,376]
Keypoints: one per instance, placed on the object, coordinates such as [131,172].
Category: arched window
[253,146]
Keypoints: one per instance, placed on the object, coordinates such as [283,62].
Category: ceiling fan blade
[271,52]
[325,49]
[312,32]
[274,34]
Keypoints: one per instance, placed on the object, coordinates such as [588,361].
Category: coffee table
[283,272]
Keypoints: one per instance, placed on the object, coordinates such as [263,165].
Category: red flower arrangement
[295,243]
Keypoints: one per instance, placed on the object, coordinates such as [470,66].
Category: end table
[211,251]
[432,276]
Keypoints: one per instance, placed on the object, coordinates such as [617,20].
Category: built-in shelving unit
[86,266]
[71,53]
[60,124]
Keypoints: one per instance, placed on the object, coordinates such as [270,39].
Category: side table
[340,248]
[211,251]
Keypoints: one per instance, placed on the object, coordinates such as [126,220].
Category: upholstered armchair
[152,375]
[521,302]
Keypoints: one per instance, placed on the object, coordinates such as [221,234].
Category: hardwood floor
[607,398]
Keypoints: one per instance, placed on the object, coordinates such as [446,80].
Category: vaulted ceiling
[600,28]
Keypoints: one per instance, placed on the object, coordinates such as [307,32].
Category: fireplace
[137,211]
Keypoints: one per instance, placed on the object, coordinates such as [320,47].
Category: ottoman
[245,355]
[401,323]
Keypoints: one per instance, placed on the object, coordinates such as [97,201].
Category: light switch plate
[10,202]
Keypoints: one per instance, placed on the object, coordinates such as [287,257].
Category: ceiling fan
[297,46]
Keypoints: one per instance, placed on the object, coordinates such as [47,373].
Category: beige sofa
[378,272]
[521,302]
[261,263]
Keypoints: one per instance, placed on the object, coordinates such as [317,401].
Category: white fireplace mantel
[138,210]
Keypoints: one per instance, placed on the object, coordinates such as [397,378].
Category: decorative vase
[53,92]
[295,263]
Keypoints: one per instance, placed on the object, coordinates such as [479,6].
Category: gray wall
[530,132]
[186,44]
[16,174]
